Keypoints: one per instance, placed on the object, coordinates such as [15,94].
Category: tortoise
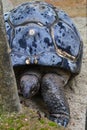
[44,40]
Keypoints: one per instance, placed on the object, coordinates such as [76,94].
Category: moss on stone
[27,120]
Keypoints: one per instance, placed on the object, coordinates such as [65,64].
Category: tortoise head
[29,85]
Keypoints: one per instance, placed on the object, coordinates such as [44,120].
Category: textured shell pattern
[39,33]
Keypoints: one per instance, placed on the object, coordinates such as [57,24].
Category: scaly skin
[54,97]
[52,91]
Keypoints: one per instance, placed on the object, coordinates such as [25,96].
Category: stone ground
[76,92]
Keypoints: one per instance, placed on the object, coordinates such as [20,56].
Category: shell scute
[66,39]
[32,44]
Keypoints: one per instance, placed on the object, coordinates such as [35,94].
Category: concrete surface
[76,92]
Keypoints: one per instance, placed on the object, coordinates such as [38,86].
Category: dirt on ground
[76,92]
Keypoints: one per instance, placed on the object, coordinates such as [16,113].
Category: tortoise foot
[61,120]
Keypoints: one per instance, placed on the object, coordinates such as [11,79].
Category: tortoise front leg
[54,97]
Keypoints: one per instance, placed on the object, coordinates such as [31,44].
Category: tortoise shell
[39,33]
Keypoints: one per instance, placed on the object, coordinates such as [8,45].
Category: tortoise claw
[61,120]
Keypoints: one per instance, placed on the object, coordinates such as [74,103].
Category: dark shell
[39,33]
